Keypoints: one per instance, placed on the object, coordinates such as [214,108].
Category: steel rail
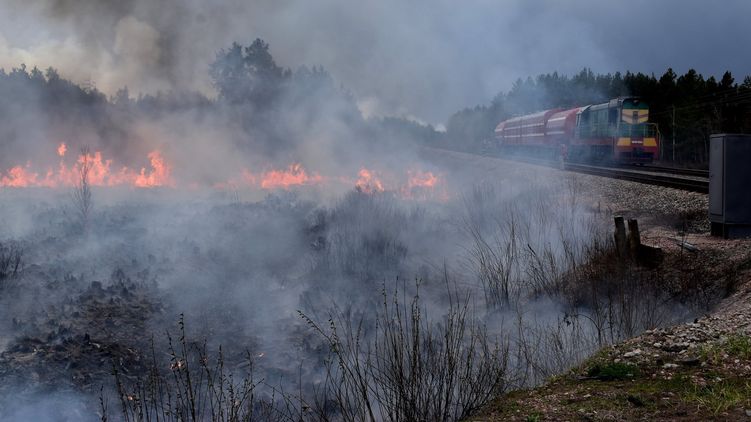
[675,182]
[674,170]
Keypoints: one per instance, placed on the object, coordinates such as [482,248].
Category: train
[617,131]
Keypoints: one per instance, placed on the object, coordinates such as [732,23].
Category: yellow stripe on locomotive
[634,116]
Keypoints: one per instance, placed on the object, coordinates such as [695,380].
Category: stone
[632,353]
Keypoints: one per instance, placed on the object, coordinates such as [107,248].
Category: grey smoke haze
[422,58]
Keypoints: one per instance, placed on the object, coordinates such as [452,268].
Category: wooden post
[620,236]
[646,255]
[634,237]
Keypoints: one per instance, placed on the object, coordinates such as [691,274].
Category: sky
[422,59]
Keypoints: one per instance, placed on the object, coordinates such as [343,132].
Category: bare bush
[194,386]
[10,260]
[544,348]
[411,368]
[82,196]
[364,238]
[495,260]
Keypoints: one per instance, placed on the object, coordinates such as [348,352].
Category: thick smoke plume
[425,60]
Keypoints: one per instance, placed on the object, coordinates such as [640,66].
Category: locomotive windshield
[634,117]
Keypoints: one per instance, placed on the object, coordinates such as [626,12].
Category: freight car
[617,131]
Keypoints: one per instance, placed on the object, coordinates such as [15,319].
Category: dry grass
[196,386]
[409,367]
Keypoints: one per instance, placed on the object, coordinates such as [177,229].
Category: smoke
[425,59]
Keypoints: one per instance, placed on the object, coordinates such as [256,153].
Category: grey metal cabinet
[730,185]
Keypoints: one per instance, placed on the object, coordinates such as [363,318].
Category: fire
[19,177]
[423,185]
[159,176]
[100,173]
[293,175]
[418,179]
[412,184]
[368,182]
[419,185]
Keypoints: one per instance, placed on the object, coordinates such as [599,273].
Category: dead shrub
[10,260]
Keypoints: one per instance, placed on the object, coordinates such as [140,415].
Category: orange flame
[418,179]
[160,176]
[417,185]
[100,173]
[368,182]
[19,177]
[423,185]
[293,175]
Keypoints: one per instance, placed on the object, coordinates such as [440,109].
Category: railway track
[673,170]
[684,179]
[694,183]
[691,180]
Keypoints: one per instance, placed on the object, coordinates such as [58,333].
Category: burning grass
[414,184]
[100,172]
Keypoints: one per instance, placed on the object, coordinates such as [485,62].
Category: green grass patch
[721,396]
[739,346]
[613,371]
[735,347]
[535,417]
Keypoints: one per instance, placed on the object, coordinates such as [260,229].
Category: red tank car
[527,135]
[560,129]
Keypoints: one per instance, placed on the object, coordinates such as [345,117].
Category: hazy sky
[420,58]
